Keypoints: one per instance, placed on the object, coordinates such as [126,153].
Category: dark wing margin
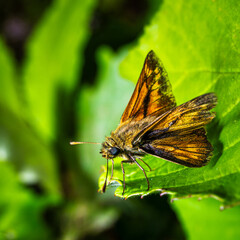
[153,92]
[190,149]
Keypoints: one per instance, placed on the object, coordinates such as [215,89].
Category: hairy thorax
[123,137]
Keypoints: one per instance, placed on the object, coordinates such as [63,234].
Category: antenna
[76,143]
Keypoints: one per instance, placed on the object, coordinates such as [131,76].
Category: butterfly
[153,124]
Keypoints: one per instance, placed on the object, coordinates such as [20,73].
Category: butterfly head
[110,149]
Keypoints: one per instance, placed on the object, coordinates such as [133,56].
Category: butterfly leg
[123,171]
[145,164]
[134,160]
[112,170]
[105,182]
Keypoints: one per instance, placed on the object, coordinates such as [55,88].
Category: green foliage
[54,61]
[46,187]
[8,89]
[203,219]
[199,57]
[29,106]
[21,210]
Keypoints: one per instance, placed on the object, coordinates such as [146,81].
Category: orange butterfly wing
[190,149]
[191,115]
[153,93]
[179,135]
[176,134]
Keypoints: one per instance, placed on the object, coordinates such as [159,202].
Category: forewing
[153,93]
[190,149]
[191,115]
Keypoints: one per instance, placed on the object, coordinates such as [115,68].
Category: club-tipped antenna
[76,143]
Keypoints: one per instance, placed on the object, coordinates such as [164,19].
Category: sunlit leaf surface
[197,63]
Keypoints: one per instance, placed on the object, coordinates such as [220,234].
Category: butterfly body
[153,124]
[122,138]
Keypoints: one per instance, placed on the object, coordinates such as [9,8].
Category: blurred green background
[65,67]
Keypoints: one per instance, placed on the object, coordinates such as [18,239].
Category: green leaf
[21,210]
[20,146]
[54,61]
[8,88]
[198,43]
[18,142]
[203,218]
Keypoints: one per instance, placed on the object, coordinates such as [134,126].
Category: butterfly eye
[114,151]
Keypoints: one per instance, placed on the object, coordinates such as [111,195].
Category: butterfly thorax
[120,141]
